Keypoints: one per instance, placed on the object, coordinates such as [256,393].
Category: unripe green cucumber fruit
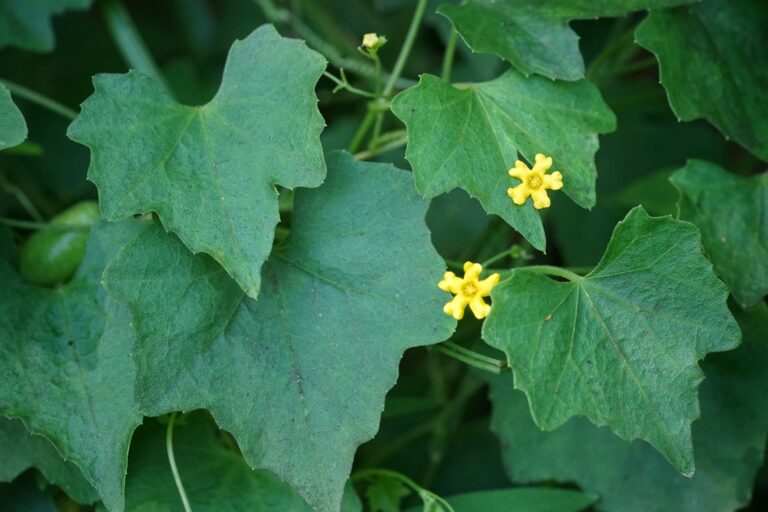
[52,256]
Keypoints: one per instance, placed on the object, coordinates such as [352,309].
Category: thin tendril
[172,461]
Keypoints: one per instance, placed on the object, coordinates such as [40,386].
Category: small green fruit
[51,257]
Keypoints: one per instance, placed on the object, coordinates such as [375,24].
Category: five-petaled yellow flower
[469,291]
[534,182]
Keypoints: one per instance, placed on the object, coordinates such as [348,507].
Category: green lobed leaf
[712,59]
[210,172]
[535,37]
[215,477]
[732,214]
[620,345]
[469,137]
[20,450]
[27,23]
[65,366]
[298,376]
[729,440]
[13,128]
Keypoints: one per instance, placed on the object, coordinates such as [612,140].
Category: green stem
[554,271]
[497,257]
[280,16]
[378,80]
[39,99]
[636,66]
[615,45]
[343,84]
[472,358]
[477,355]
[172,461]
[23,200]
[377,124]
[383,148]
[405,51]
[129,41]
[379,120]
[362,130]
[41,226]
[450,51]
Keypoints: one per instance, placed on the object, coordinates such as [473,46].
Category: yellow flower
[372,41]
[534,182]
[469,291]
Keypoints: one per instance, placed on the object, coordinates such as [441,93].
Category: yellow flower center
[534,181]
[469,289]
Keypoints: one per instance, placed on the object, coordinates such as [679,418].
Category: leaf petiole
[450,52]
[472,358]
[39,99]
[343,84]
[387,142]
[23,200]
[549,270]
[41,226]
[129,41]
[405,51]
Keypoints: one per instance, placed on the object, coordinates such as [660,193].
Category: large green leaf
[20,450]
[27,23]
[469,137]
[712,59]
[215,477]
[65,366]
[729,440]
[298,376]
[13,128]
[620,345]
[535,36]
[732,214]
[210,172]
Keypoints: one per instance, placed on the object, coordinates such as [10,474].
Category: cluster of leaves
[248,268]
